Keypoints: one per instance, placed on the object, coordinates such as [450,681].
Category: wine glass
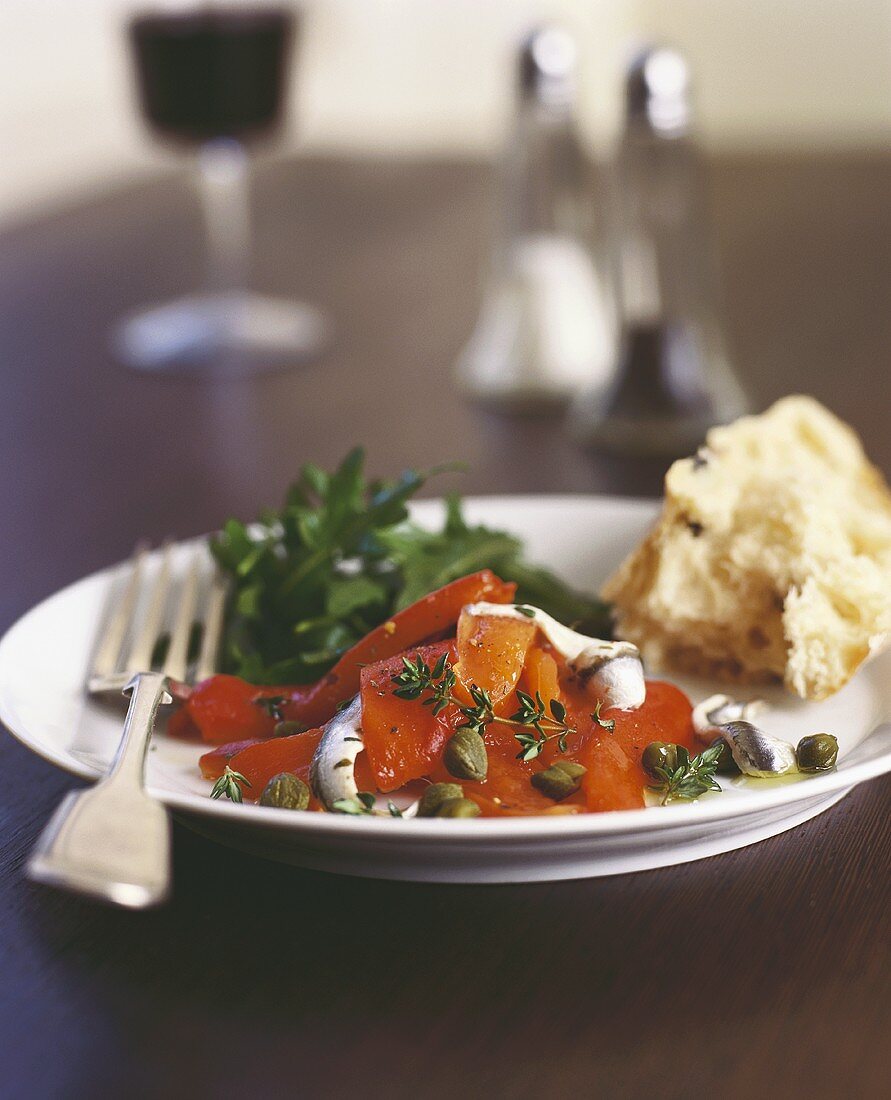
[212,78]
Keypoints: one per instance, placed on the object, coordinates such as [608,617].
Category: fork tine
[139,659]
[213,628]
[108,651]
[177,662]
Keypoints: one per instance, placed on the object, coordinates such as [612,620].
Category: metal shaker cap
[547,66]
[657,91]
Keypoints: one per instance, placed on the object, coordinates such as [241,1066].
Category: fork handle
[113,840]
[147,691]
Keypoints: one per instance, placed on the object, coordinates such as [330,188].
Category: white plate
[44,656]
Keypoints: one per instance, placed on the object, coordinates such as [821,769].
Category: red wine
[212,73]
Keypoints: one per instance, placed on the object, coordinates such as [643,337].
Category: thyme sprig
[692,777]
[532,714]
[435,688]
[230,784]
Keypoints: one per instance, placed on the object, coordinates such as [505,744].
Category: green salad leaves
[341,556]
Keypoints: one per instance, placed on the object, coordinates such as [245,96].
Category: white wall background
[433,76]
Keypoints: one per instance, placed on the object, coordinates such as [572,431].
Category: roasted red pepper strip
[259,762]
[213,763]
[224,708]
[403,739]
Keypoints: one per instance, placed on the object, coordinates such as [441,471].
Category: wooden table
[763,972]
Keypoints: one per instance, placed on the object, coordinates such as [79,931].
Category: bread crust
[771,559]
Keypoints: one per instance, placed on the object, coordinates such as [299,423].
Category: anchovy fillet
[612,671]
[333,769]
[716,711]
[756,753]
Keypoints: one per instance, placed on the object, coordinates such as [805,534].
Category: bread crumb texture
[771,558]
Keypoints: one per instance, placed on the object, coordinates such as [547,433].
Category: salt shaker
[673,379]
[545,326]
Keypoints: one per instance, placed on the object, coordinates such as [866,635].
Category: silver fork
[113,841]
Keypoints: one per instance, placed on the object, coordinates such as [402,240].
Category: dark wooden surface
[762,972]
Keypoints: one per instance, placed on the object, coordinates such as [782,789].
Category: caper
[659,754]
[287,728]
[465,755]
[286,791]
[458,807]
[560,780]
[435,795]
[726,764]
[817,753]
[573,770]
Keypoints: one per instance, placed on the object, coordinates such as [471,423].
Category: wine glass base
[234,333]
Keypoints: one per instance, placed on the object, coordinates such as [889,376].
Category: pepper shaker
[545,327]
[673,379]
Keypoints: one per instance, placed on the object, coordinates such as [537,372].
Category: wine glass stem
[224,189]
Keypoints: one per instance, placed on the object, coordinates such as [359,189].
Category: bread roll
[771,559]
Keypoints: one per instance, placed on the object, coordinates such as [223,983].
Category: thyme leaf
[230,784]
